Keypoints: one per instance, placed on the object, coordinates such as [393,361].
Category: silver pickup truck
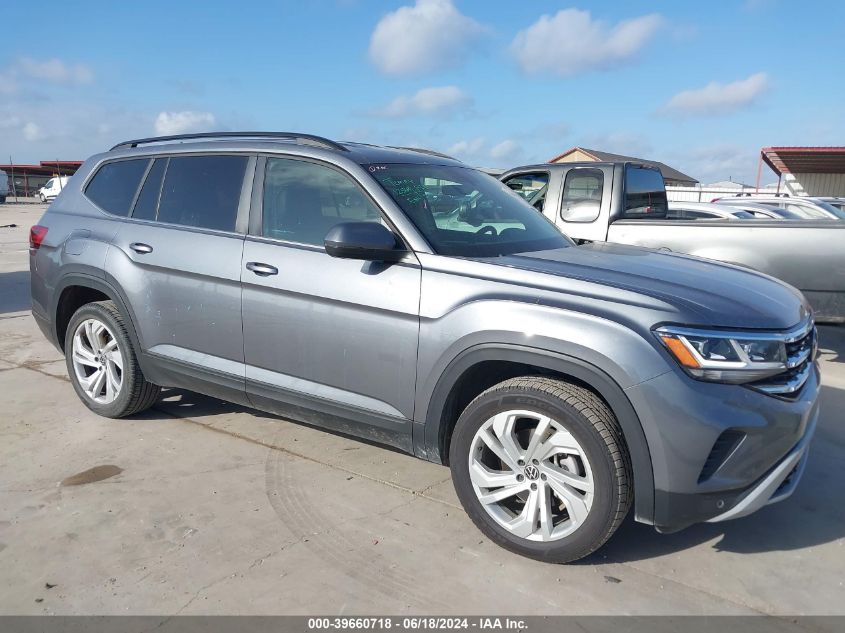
[625,202]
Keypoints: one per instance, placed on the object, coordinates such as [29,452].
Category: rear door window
[202,191]
[114,185]
[582,194]
[645,193]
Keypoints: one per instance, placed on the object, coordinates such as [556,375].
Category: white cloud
[467,148]
[442,100]
[55,71]
[183,122]
[718,98]
[505,150]
[431,35]
[70,128]
[571,42]
[30,72]
[31,131]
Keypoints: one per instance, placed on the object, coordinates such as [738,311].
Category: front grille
[800,353]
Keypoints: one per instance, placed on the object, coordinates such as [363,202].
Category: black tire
[596,429]
[136,393]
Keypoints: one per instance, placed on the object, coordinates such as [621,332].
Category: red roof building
[26,180]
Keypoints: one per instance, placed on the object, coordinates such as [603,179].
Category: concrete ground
[203,507]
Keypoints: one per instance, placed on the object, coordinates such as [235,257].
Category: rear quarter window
[114,185]
[645,194]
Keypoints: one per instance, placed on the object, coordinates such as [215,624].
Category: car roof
[584,163]
[361,153]
[739,203]
[703,206]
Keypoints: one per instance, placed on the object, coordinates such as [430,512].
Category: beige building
[671,176]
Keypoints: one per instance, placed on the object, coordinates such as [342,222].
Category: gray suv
[562,384]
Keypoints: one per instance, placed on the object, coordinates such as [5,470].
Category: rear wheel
[103,365]
[542,468]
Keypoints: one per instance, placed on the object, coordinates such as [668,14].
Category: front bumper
[779,484]
[683,421]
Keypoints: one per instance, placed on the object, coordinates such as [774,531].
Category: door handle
[140,248]
[262,270]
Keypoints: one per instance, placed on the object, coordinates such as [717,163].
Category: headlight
[732,357]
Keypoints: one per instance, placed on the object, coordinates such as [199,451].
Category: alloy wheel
[97,361]
[531,475]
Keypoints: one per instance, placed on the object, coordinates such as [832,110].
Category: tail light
[36,235]
[714,199]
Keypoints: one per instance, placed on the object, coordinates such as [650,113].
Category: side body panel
[186,297]
[341,332]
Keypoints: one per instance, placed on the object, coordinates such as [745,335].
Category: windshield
[466,213]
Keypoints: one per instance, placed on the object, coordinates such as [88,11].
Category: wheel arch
[74,283]
[441,413]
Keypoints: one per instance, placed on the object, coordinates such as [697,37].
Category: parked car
[626,203]
[4,186]
[759,211]
[562,385]
[683,210]
[53,188]
[839,203]
[809,208]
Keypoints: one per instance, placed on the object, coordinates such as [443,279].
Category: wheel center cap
[532,472]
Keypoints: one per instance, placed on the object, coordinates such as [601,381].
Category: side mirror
[371,241]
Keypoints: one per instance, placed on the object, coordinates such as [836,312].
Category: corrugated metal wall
[815,184]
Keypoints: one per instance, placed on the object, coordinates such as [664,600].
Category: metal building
[26,180]
[806,171]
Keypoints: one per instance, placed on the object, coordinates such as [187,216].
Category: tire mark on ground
[304,519]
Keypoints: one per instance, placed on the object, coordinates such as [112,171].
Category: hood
[721,295]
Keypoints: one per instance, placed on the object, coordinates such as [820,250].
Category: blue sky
[701,86]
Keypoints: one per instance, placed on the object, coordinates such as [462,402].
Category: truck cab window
[645,193]
[582,194]
[532,187]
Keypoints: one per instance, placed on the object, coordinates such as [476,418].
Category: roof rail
[421,150]
[305,139]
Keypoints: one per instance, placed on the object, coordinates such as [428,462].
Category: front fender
[431,432]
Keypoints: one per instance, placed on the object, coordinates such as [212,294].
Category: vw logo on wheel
[532,472]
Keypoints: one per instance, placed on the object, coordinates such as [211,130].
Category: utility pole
[14,188]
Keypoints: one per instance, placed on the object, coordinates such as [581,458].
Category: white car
[53,188]
[683,210]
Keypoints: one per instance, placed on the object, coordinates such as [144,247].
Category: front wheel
[541,467]
[103,365]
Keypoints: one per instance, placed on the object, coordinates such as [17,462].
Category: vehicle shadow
[14,291]
[183,404]
[806,519]
[832,343]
